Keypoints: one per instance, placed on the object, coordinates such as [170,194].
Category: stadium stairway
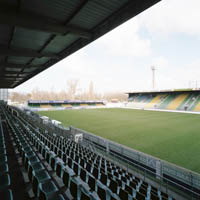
[197,105]
[156,100]
[58,168]
[177,101]
[186,102]
[166,101]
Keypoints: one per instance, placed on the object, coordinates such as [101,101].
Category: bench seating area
[58,168]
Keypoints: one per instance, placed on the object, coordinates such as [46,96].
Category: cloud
[172,16]
[125,41]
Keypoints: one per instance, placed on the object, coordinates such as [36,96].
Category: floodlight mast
[153,77]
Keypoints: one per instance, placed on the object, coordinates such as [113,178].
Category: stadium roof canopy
[36,34]
[166,91]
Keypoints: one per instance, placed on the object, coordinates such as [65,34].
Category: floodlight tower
[153,76]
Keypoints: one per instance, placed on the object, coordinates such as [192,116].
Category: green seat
[33,159]
[46,189]
[3,168]
[34,167]
[4,181]
[6,195]
[42,175]
[37,166]
[3,159]
[2,152]
[57,197]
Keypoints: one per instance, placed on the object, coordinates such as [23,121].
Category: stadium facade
[180,99]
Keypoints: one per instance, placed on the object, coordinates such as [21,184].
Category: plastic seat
[33,159]
[34,167]
[53,163]
[103,179]
[113,186]
[74,188]
[95,172]
[6,195]
[46,189]
[140,196]
[41,175]
[56,197]
[4,181]
[65,178]
[123,194]
[83,175]
[154,196]
[84,194]
[2,152]
[3,168]
[3,159]
[101,192]
[76,169]
[69,162]
[59,170]
[91,183]
[129,189]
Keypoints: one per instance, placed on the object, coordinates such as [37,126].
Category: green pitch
[174,137]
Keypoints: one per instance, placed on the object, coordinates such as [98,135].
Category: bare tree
[72,88]
[91,91]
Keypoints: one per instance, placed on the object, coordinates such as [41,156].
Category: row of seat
[5,182]
[84,173]
[43,186]
[143,189]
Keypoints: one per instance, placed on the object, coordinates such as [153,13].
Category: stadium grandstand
[63,104]
[4,95]
[39,160]
[180,100]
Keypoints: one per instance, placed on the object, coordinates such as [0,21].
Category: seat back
[65,178]
[101,192]
[123,194]
[73,189]
[91,183]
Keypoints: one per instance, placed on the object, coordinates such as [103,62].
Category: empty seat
[6,195]
[34,167]
[154,196]
[123,194]
[95,172]
[83,174]
[85,194]
[76,168]
[103,179]
[3,168]
[113,186]
[59,170]
[65,178]
[69,162]
[56,197]
[91,183]
[129,189]
[4,181]
[88,167]
[46,189]
[74,188]
[101,192]
[140,196]
[3,159]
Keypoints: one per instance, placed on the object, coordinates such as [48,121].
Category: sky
[166,36]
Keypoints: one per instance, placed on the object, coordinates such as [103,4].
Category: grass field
[174,137]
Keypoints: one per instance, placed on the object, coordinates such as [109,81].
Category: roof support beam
[4,51]
[39,23]
[19,66]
